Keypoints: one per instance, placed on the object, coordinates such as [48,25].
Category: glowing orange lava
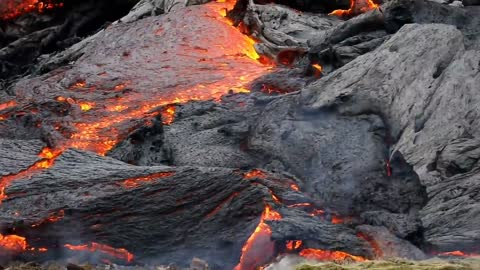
[294,187]
[255,173]
[52,218]
[136,181]
[375,246]
[168,114]
[220,206]
[6,105]
[458,253]
[119,253]
[11,9]
[98,131]
[293,245]
[13,243]
[259,248]
[356,7]
[327,255]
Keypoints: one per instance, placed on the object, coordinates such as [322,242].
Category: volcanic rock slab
[424,83]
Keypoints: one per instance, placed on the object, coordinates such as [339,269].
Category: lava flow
[11,9]
[259,248]
[136,181]
[12,243]
[227,61]
[356,7]
[118,253]
[327,255]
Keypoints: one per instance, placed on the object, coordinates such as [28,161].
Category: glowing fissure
[356,7]
[327,255]
[93,247]
[136,181]
[259,248]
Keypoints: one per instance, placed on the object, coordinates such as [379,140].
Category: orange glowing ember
[317,212]
[356,7]
[13,243]
[327,255]
[259,248]
[168,114]
[254,174]
[294,187]
[119,253]
[134,182]
[6,105]
[293,245]
[11,9]
[86,106]
[317,70]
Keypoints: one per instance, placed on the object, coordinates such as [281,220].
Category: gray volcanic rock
[341,160]
[409,80]
[165,219]
[18,155]
[389,246]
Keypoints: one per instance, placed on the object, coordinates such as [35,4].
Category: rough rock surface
[387,143]
[409,82]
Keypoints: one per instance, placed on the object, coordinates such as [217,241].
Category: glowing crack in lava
[327,255]
[136,181]
[10,9]
[259,248]
[47,160]
[118,253]
[356,7]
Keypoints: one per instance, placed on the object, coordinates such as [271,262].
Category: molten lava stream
[229,64]
[327,255]
[259,248]
[10,9]
[356,7]
[118,253]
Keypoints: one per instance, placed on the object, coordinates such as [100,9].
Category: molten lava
[255,173]
[10,9]
[12,243]
[136,181]
[227,62]
[259,248]
[6,105]
[293,245]
[51,219]
[458,253]
[327,255]
[356,7]
[168,114]
[118,253]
